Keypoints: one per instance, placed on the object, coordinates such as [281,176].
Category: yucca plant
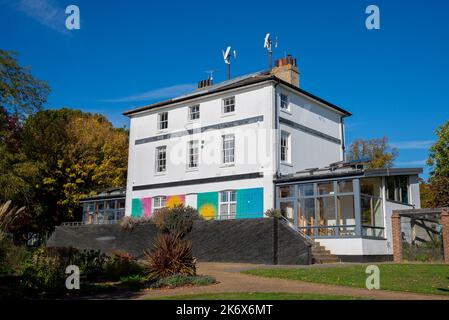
[170,255]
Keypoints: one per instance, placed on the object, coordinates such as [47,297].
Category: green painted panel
[207,204]
[136,208]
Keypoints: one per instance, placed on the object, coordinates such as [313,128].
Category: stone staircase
[321,255]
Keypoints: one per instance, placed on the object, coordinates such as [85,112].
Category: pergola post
[397,238]
[444,220]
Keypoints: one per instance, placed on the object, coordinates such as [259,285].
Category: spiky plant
[170,255]
[8,216]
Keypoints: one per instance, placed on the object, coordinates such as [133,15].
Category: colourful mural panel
[136,208]
[146,205]
[207,205]
[173,201]
[250,203]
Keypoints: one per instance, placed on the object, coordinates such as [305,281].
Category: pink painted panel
[146,207]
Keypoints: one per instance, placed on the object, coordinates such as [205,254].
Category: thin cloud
[46,12]
[413,145]
[161,93]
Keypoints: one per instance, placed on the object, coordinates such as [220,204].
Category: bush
[134,282]
[121,264]
[273,213]
[12,257]
[177,220]
[44,273]
[178,280]
[129,223]
[169,256]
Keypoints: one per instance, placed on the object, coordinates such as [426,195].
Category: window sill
[228,114]
[287,164]
[161,131]
[192,169]
[227,165]
[157,174]
[287,111]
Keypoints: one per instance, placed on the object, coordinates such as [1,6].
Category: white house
[238,148]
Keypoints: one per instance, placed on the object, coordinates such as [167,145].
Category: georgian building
[235,149]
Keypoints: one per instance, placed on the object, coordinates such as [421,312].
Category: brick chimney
[205,83]
[286,69]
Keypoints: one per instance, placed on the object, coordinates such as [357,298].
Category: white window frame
[285,148]
[193,154]
[284,102]
[162,124]
[228,153]
[161,163]
[227,205]
[228,105]
[159,202]
[194,115]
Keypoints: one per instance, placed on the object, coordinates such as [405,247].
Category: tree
[381,154]
[439,172]
[74,154]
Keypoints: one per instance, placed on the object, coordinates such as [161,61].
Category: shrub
[177,220]
[134,282]
[12,257]
[169,256]
[44,273]
[178,280]
[128,223]
[273,213]
[121,264]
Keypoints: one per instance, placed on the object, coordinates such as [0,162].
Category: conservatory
[336,204]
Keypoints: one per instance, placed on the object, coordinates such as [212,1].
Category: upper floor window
[162,121]
[228,146]
[397,189]
[284,102]
[229,105]
[194,112]
[228,205]
[161,159]
[158,203]
[193,151]
[285,146]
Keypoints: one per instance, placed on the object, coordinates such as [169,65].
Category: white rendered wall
[308,150]
[354,246]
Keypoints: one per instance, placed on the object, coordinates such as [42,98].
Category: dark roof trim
[243,83]
[362,174]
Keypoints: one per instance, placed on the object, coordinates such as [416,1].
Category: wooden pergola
[420,217]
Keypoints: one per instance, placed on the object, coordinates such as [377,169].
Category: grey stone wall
[264,241]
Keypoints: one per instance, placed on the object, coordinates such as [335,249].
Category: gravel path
[231,280]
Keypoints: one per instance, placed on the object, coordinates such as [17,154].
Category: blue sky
[130,53]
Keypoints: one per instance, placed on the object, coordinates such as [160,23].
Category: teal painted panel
[136,208]
[250,203]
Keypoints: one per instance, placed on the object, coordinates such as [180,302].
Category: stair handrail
[292,226]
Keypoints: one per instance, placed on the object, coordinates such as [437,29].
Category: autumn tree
[439,173]
[380,153]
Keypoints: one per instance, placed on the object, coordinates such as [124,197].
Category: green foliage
[439,175]
[431,251]
[170,255]
[382,155]
[177,220]
[121,264]
[133,282]
[179,280]
[273,213]
[12,257]
[21,93]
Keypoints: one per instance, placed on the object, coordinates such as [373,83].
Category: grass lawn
[419,278]
[256,296]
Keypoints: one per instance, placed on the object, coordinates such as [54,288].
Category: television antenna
[268,43]
[227,58]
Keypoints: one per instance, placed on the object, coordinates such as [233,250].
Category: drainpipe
[276,127]
[342,129]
